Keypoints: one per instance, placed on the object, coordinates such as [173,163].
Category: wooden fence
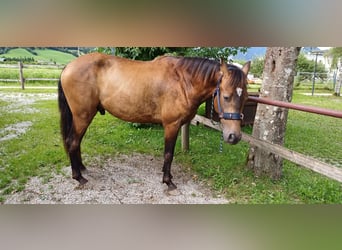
[22,79]
[295,157]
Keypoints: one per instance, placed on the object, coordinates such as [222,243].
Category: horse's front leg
[170,136]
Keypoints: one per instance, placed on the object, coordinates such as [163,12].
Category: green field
[39,151]
[42,55]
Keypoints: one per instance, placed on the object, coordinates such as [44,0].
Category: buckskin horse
[167,90]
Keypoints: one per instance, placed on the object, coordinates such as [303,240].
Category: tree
[215,52]
[257,66]
[270,122]
[148,53]
[336,54]
[145,53]
[138,53]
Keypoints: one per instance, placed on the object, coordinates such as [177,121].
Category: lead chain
[221,143]
[214,123]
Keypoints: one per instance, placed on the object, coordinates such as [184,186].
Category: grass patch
[53,56]
[40,55]
[39,152]
[17,52]
[315,135]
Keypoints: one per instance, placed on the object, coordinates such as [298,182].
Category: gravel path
[133,179]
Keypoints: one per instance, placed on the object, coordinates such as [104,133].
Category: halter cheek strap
[225,115]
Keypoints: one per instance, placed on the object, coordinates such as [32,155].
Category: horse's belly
[128,110]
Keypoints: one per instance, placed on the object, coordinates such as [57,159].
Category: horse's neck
[201,77]
[203,90]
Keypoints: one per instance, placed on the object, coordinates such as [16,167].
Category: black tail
[66,116]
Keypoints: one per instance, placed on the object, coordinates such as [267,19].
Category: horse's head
[231,95]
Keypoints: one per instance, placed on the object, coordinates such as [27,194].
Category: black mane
[206,69]
[202,67]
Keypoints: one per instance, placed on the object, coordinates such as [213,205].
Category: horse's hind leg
[74,147]
[171,132]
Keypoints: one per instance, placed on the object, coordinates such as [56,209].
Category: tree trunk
[270,121]
[338,83]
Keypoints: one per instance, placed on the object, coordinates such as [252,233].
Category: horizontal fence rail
[41,79]
[9,80]
[315,165]
[309,109]
[33,66]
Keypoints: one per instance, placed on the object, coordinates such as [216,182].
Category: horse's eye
[226,98]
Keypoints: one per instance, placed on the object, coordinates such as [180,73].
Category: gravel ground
[133,179]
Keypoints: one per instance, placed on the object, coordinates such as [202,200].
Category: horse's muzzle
[233,138]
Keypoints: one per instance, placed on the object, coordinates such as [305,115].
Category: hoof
[171,186]
[173,192]
[82,184]
[81,187]
[81,180]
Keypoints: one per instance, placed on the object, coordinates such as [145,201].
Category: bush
[18,59]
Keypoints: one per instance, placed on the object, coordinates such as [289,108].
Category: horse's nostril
[231,137]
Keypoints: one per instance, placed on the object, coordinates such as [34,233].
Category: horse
[166,90]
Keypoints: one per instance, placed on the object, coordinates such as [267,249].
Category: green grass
[315,135]
[18,52]
[13,73]
[43,55]
[53,56]
[39,152]
[9,73]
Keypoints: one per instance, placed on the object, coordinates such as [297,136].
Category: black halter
[225,115]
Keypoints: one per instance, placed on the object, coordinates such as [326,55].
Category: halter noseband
[225,115]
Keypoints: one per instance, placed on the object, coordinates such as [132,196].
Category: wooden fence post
[21,75]
[185,137]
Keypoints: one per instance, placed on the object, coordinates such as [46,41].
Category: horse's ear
[246,67]
[222,61]
[223,65]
